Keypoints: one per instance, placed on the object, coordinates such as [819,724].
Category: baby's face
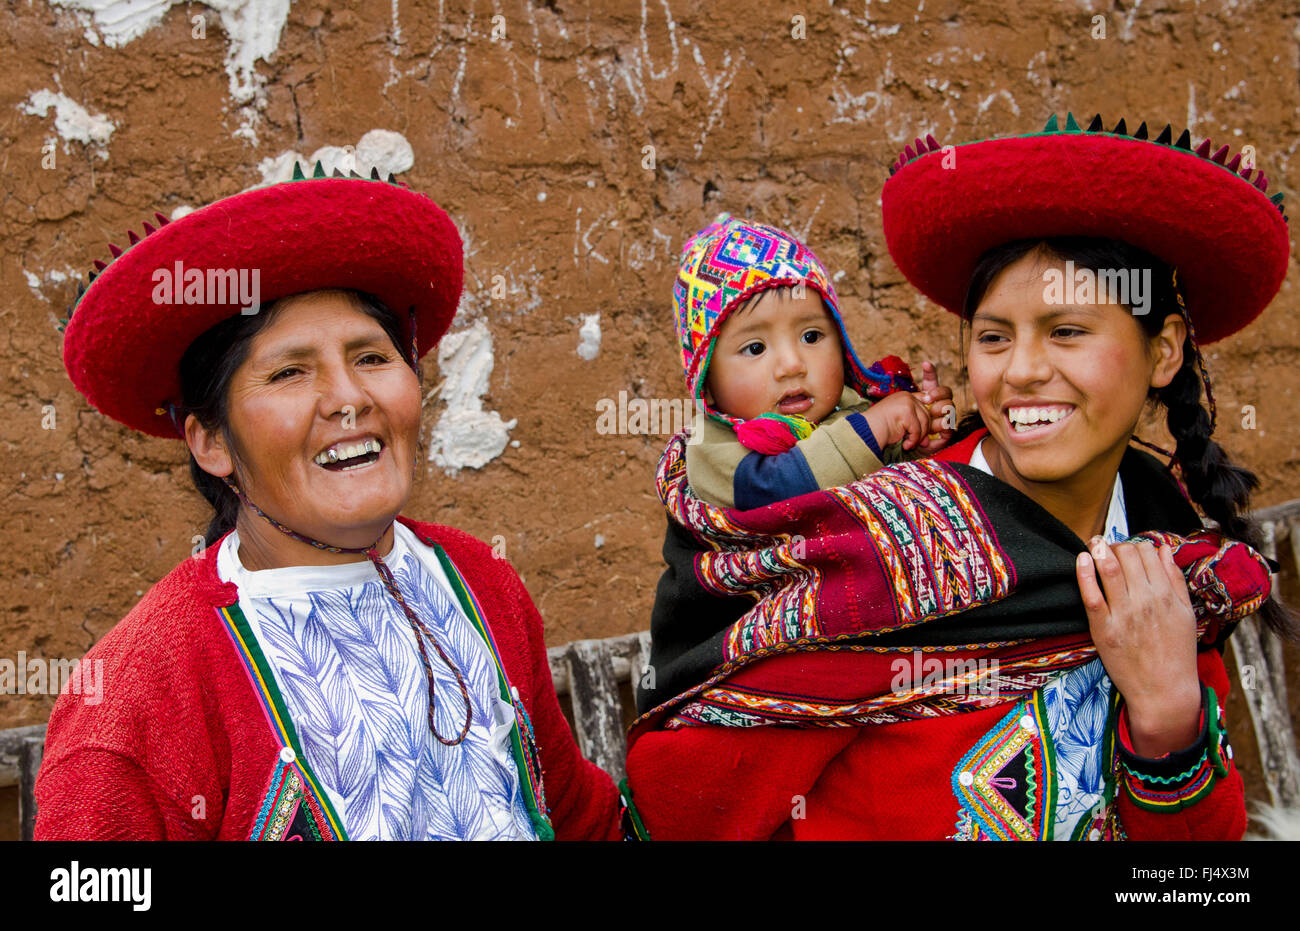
[781,354]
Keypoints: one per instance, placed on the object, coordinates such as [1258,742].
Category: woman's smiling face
[1061,387]
[323,388]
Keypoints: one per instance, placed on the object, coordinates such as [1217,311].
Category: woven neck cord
[417,626]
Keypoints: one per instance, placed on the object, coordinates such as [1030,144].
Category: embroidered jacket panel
[344,658]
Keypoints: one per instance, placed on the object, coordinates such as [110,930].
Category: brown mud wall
[536,144]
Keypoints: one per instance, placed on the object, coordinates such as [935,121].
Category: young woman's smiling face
[1061,387]
[781,354]
[322,388]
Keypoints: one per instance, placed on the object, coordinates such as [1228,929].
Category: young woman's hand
[938,400]
[916,419]
[1142,622]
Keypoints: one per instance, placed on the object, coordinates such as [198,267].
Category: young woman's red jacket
[896,781]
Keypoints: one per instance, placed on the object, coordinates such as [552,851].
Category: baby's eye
[813,336]
[752,349]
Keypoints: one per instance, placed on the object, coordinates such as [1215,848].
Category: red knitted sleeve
[144,758]
[1205,798]
[583,800]
[92,794]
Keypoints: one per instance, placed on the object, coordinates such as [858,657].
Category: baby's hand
[917,420]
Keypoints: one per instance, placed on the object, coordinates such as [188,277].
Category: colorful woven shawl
[932,562]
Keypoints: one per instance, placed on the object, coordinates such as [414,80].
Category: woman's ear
[208,448]
[1167,347]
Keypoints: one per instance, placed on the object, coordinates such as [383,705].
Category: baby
[767,358]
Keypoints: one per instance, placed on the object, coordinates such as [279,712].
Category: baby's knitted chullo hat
[724,265]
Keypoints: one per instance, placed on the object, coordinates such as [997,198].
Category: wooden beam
[29,764]
[11,751]
[556,657]
[597,706]
[1285,513]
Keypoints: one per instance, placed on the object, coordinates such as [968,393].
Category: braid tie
[415,349]
[177,418]
[390,583]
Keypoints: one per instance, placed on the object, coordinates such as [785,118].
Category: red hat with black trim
[129,328]
[1192,207]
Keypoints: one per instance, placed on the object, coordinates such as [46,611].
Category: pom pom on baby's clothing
[772,434]
[888,375]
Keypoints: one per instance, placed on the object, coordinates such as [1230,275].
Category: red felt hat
[945,207]
[129,329]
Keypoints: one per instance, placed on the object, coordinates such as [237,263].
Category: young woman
[324,669]
[967,647]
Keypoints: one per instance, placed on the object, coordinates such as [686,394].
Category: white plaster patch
[380,148]
[72,121]
[466,436]
[386,150]
[252,28]
[589,336]
[53,276]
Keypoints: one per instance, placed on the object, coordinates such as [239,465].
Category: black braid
[1220,487]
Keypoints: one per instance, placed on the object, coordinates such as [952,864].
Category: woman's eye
[1067,331]
[751,349]
[374,357]
[989,338]
[284,373]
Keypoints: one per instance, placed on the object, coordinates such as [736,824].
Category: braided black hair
[1217,485]
[206,370]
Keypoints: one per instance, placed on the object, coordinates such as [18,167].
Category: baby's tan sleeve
[833,454]
[836,453]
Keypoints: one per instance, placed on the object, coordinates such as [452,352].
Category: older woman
[324,669]
[1021,638]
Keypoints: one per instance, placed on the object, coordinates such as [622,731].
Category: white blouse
[344,658]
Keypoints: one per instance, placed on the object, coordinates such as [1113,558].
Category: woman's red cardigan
[179,746]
